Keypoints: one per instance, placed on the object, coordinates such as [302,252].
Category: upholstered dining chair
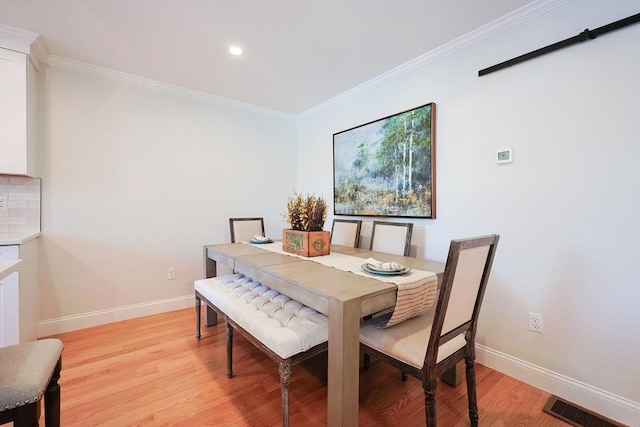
[346,232]
[427,345]
[391,237]
[243,229]
[29,371]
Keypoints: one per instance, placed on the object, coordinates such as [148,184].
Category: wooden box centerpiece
[306,216]
[306,243]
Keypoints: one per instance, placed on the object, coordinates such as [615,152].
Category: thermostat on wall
[505,156]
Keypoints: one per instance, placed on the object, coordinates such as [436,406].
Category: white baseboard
[594,399]
[101,317]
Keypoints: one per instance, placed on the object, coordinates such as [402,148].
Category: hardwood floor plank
[152,371]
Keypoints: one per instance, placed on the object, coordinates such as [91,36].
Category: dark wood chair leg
[52,399]
[429,385]
[471,391]
[285,376]
[198,311]
[229,349]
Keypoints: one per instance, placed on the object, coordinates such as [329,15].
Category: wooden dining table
[344,297]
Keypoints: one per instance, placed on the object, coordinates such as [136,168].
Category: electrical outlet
[171,273]
[3,202]
[535,322]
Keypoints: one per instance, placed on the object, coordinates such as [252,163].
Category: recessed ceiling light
[235,50]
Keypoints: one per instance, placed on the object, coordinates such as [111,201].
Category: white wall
[137,179]
[567,209]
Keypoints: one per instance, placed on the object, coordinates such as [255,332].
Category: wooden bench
[286,330]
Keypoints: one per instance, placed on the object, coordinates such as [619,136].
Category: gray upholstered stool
[27,372]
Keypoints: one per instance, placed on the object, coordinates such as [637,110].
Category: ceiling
[297,53]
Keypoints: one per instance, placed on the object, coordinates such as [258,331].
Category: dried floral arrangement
[306,213]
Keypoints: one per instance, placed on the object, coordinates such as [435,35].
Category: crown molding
[69,64]
[504,23]
[33,45]
[25,42]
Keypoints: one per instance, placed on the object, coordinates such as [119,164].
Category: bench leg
[229,349]
[52,399]
[284,367]
[198,310]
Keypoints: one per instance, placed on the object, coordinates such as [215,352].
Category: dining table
[344,297]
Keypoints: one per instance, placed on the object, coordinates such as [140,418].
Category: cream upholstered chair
[346,232]
[427,345]
[29,371]
[243,229]
[391,237]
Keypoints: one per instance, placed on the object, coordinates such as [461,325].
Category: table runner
[417,289]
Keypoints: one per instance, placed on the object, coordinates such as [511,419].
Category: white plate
[376,268]
[367,268]
[260,242]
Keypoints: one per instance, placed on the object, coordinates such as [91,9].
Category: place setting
[385,268]
[260,240]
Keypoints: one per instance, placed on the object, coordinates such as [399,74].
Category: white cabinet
[18,95]
[9,300]
[19,297]
[9,310]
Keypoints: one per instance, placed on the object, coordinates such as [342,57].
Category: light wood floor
[153,372]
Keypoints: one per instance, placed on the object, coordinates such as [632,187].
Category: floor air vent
[575,415]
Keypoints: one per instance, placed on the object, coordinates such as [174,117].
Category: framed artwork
[387,167]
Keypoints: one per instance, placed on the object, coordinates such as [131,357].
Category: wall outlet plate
[535,322]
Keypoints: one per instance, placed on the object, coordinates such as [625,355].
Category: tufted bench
[286,330]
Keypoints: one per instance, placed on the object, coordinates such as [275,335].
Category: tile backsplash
[20,210]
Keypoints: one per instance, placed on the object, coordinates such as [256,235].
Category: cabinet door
[13,113]
[9,301]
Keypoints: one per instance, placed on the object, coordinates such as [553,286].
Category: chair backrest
[391,237]
[465,279]
[243,229]
[346,232]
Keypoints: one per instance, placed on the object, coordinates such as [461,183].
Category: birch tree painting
[386,167]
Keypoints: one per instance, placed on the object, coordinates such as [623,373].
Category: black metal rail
[583,36]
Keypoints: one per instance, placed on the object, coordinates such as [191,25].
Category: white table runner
[417,289]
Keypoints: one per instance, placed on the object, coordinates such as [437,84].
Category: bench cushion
[282,324]
[25,371]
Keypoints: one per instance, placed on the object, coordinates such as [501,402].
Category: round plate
[365,267]
[260,242]
[374,267]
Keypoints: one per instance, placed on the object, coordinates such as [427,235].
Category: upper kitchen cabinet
[18,101]
[17,142]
